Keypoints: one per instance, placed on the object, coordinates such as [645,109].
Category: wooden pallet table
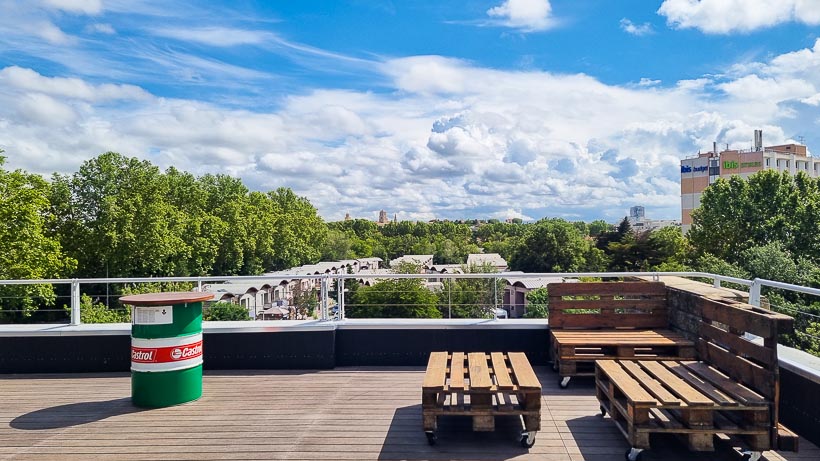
[481,386]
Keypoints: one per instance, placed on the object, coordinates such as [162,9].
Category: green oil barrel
[166,347]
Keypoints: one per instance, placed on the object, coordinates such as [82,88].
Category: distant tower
[347,216]
[395,217]
[637,212]
[383,219]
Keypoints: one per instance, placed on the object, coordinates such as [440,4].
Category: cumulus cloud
[524,15]
[450,140]
[727,16]
[636,29]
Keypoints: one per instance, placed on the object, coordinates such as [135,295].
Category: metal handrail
[754,285]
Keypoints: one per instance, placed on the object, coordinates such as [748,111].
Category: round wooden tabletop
[164,299]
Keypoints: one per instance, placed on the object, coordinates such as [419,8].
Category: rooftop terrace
[346,389]
[346,413]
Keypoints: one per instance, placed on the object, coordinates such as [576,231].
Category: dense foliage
[766,227]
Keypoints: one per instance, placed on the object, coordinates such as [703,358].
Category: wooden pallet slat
[631,388]
[435,376]
[524,375]
[478,371]
[733,388]
[687,393]
[718,395]
[502,375]
[457,371]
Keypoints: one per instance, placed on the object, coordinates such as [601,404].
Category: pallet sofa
[592,321]
[731,391]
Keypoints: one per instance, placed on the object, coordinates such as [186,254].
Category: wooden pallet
[575,351]
[688,398]
[481,386]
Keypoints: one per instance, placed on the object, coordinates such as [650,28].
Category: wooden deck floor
[346,413]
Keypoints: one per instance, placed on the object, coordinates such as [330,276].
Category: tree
[305,301]
[551,245]
[114,218]
[395,298]
[29,251]
[97,312]
[537,304]
[226,311]
[471,297]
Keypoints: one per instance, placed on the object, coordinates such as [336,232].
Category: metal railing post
[75,302]
[754,293]
[495,297]
[323,294]
[340,298]
[716,282]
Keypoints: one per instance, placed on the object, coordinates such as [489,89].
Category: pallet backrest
[607,305]
[721,327]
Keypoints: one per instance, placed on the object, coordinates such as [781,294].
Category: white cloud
[49,32]
[76,6]
[636,29]
[101,28]
[645,82]
[72,88]
[524,15]
[215,36]
[727,16]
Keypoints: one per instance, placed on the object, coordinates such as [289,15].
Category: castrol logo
[143,355]
[166,354]
[187,352]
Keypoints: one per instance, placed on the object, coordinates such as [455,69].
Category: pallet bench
[732,391]
[481,386]
[592,321]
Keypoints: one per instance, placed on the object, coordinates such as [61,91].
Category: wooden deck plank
[354,413]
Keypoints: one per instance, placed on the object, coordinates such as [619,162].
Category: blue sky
[477,109]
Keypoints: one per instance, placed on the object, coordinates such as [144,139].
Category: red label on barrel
[166,354]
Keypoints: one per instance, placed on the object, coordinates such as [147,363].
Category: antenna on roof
[801,140]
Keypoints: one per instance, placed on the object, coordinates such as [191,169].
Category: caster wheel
[564,382]
[751,455]
[554,366]
[603,411]
[634,454]
[527,439]
[431,438]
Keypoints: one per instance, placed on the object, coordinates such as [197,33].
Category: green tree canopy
[29,251]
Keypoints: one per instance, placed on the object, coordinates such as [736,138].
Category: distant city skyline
[499,109]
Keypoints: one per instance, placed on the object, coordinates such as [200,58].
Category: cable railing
[328,296]
[71,289]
